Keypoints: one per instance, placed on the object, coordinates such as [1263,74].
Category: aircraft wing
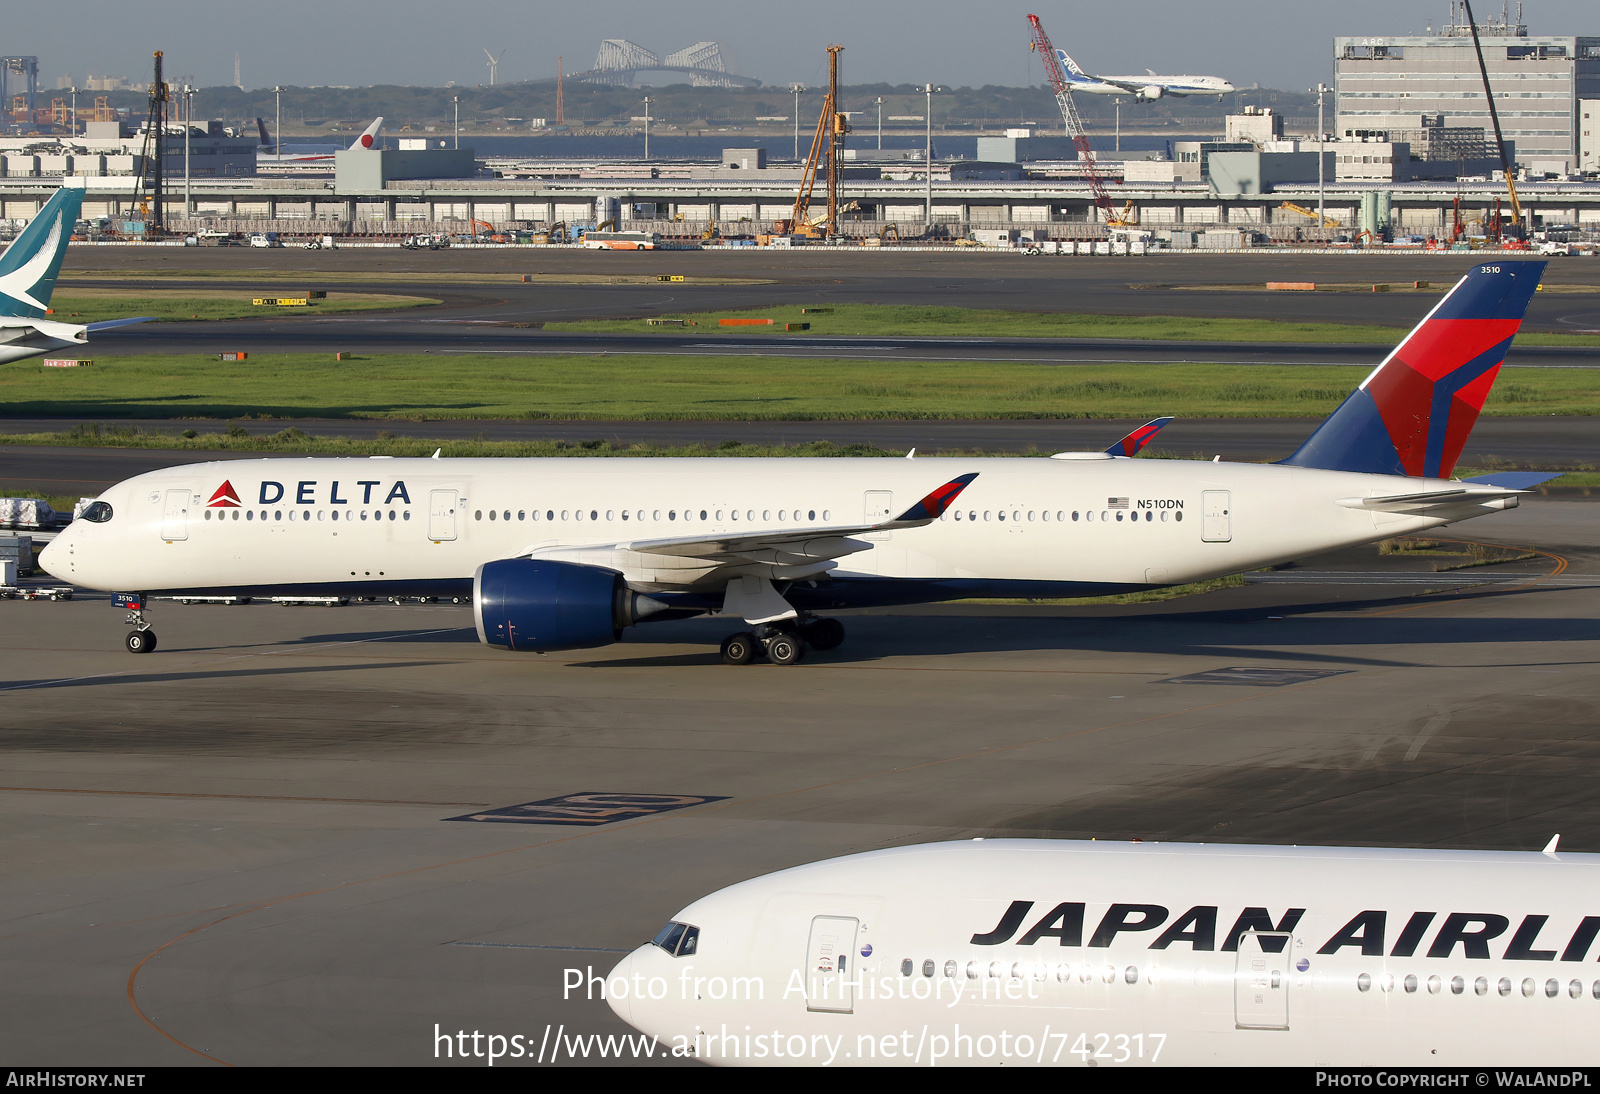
[788,546]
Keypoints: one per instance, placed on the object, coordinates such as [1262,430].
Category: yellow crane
[829,139]
[1327,221]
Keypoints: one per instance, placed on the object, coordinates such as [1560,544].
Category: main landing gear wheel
[140,641]
[785,649]
[823,634]
[739,649]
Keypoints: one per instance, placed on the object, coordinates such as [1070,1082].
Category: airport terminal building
[1543,85]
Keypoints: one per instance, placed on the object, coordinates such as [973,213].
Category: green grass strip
[948,322]
[672,387]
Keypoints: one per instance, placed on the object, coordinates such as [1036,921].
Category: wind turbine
[494,63]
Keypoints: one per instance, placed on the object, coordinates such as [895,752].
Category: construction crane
[148,193]
[825,145]
[1080,137]
[1327,222]
[1494,116]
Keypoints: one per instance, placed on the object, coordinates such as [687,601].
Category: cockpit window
[97,511]
[678,939]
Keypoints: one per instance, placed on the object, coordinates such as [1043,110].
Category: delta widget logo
[226,497]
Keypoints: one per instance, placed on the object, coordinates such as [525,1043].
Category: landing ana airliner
[1142,88]
[564,554]
[28,272]
[1061,952]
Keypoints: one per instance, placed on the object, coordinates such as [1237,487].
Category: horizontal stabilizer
[1436,502]
[1517,480]
[109,324]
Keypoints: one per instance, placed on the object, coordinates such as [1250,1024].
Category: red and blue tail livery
[1413,414]
[932,506]
[1134,442]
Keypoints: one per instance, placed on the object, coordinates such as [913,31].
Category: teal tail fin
[29,266]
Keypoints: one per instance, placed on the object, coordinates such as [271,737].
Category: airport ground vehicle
[265,239]
[621,241]
[1005,952]
[566,554]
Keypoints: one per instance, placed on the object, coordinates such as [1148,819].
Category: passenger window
[277,514]
[719,515]
[672,514]
[1364,982]
[986,513]
[1178,516]
[1552,988]
[780,513]
[594,514]
[1131,975]
[250,514]
[1527,987]
[1504,986]
[563,514]
[972,972]
[927,967]
[1108,974]
[702,514]
[656,515]
[1119,518]
[732,513]
[1045,516]
[1064,973]
[291,514]
[750,513]
[1387,983]
[1480,986]
[958,514]
[1575,989]
[492,514]
[950,970]
[1001,515]
[507,514]
[475,516]
[905,967]
[1411,984]
[407,514]
[624,514]
[826,515]
[1457,985]
[577,514]
[811,514]
[1030,516]
[611,516]
[521,514]
[1074,514]
[1434,984]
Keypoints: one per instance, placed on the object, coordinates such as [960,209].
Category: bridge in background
[620,62]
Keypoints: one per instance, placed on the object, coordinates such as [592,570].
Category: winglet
[1134,442]
[1550,848]
[933,506]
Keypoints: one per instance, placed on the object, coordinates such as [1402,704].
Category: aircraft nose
[621,1003]
[54,558]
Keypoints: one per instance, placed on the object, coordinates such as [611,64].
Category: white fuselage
[1086,521]
[1063,952]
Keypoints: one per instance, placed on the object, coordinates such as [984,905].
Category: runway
[244,848]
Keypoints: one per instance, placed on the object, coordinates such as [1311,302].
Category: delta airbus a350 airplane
[1015,951]
[566,553]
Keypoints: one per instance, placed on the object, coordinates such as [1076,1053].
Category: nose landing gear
[142,639]
[783,643]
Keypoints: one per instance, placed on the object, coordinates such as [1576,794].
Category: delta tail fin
[29,266]
[266,138]
[1413,414]
[1134,442]
[369,136]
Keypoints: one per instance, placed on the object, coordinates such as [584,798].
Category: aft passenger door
[1261,980]
[830,955]
[442,515]
[1216,523]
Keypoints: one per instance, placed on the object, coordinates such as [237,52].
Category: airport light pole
[456,99]
[930,91]
[879,103]
[277,134]
[187,91]
[74,110]
[1322,144]
[1118,103]
[796,89]
[647,128]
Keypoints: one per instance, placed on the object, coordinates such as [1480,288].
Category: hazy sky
[1278,43]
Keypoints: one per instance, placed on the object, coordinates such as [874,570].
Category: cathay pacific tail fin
[29,266]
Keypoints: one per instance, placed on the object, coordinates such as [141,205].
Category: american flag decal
[1116,503]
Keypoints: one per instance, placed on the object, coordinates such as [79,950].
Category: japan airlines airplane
[28,272]
[566,553]
[1142,88]
[1019,951]
[271,154]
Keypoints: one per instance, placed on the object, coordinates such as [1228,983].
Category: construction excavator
[1327,221]
[832,126]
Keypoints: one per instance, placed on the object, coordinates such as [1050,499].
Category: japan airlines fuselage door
[175,515]
[442,515]
[1261,980]
[830,960]
[1216,521]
